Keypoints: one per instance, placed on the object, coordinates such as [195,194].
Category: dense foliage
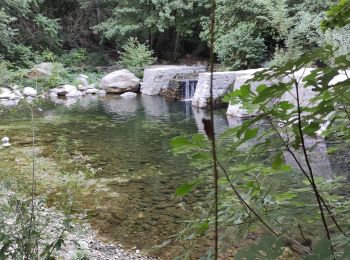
[249,33]
[303,207]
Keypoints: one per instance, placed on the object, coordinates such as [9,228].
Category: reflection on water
[318,157]
[129,140]
[155,106]
[220,120]
[123,107]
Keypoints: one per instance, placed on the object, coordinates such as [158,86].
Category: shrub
[135,56]
[241,48]
[94,59]
[74,58]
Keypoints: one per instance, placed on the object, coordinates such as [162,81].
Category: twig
[313,184]
[244,203]
[307,242]
[213,144]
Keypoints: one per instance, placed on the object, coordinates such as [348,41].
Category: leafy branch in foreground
[293,106]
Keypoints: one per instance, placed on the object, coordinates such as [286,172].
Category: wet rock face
[157,79]
[120,81]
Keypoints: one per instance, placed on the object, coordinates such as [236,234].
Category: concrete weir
[156,80]
[223,82]
[306,94]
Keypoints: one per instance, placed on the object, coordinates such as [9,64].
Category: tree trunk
[177,40]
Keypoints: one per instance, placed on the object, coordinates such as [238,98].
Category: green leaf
[285,196]
[278,161]
[322,251]
[200,156]
[186,188]
[250,133]
[268,247]
[179,141]
[311,128]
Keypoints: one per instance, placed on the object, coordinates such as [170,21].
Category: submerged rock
[120,81]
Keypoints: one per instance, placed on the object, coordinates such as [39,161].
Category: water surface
[128,140]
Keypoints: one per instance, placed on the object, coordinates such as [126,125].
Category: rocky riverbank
[79,240]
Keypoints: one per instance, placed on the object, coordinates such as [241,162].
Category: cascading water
[188,89]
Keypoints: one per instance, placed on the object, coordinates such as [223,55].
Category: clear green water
[129,140]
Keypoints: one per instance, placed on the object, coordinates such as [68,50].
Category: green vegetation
[249,33]
[294,213]
[300,209]
[135,57]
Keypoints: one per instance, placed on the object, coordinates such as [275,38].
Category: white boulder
[74,93]
[64,89]
[120,81]
[29,92]
[102,92]
[91,91]
[5,93]
[5,142]
[128,94]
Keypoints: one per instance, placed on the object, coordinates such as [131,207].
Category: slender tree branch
[244,203]
[330,213]
[212,130]
[313,184]
[307,242]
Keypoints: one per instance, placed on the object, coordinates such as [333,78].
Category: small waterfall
[188,89]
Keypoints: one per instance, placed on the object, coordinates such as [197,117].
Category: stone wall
[174,90]
[156,79]
[222,83]
[306,94]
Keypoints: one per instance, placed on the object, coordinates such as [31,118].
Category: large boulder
[62,90]
[120,81]
[41,70]
[29,92]
[156,79]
